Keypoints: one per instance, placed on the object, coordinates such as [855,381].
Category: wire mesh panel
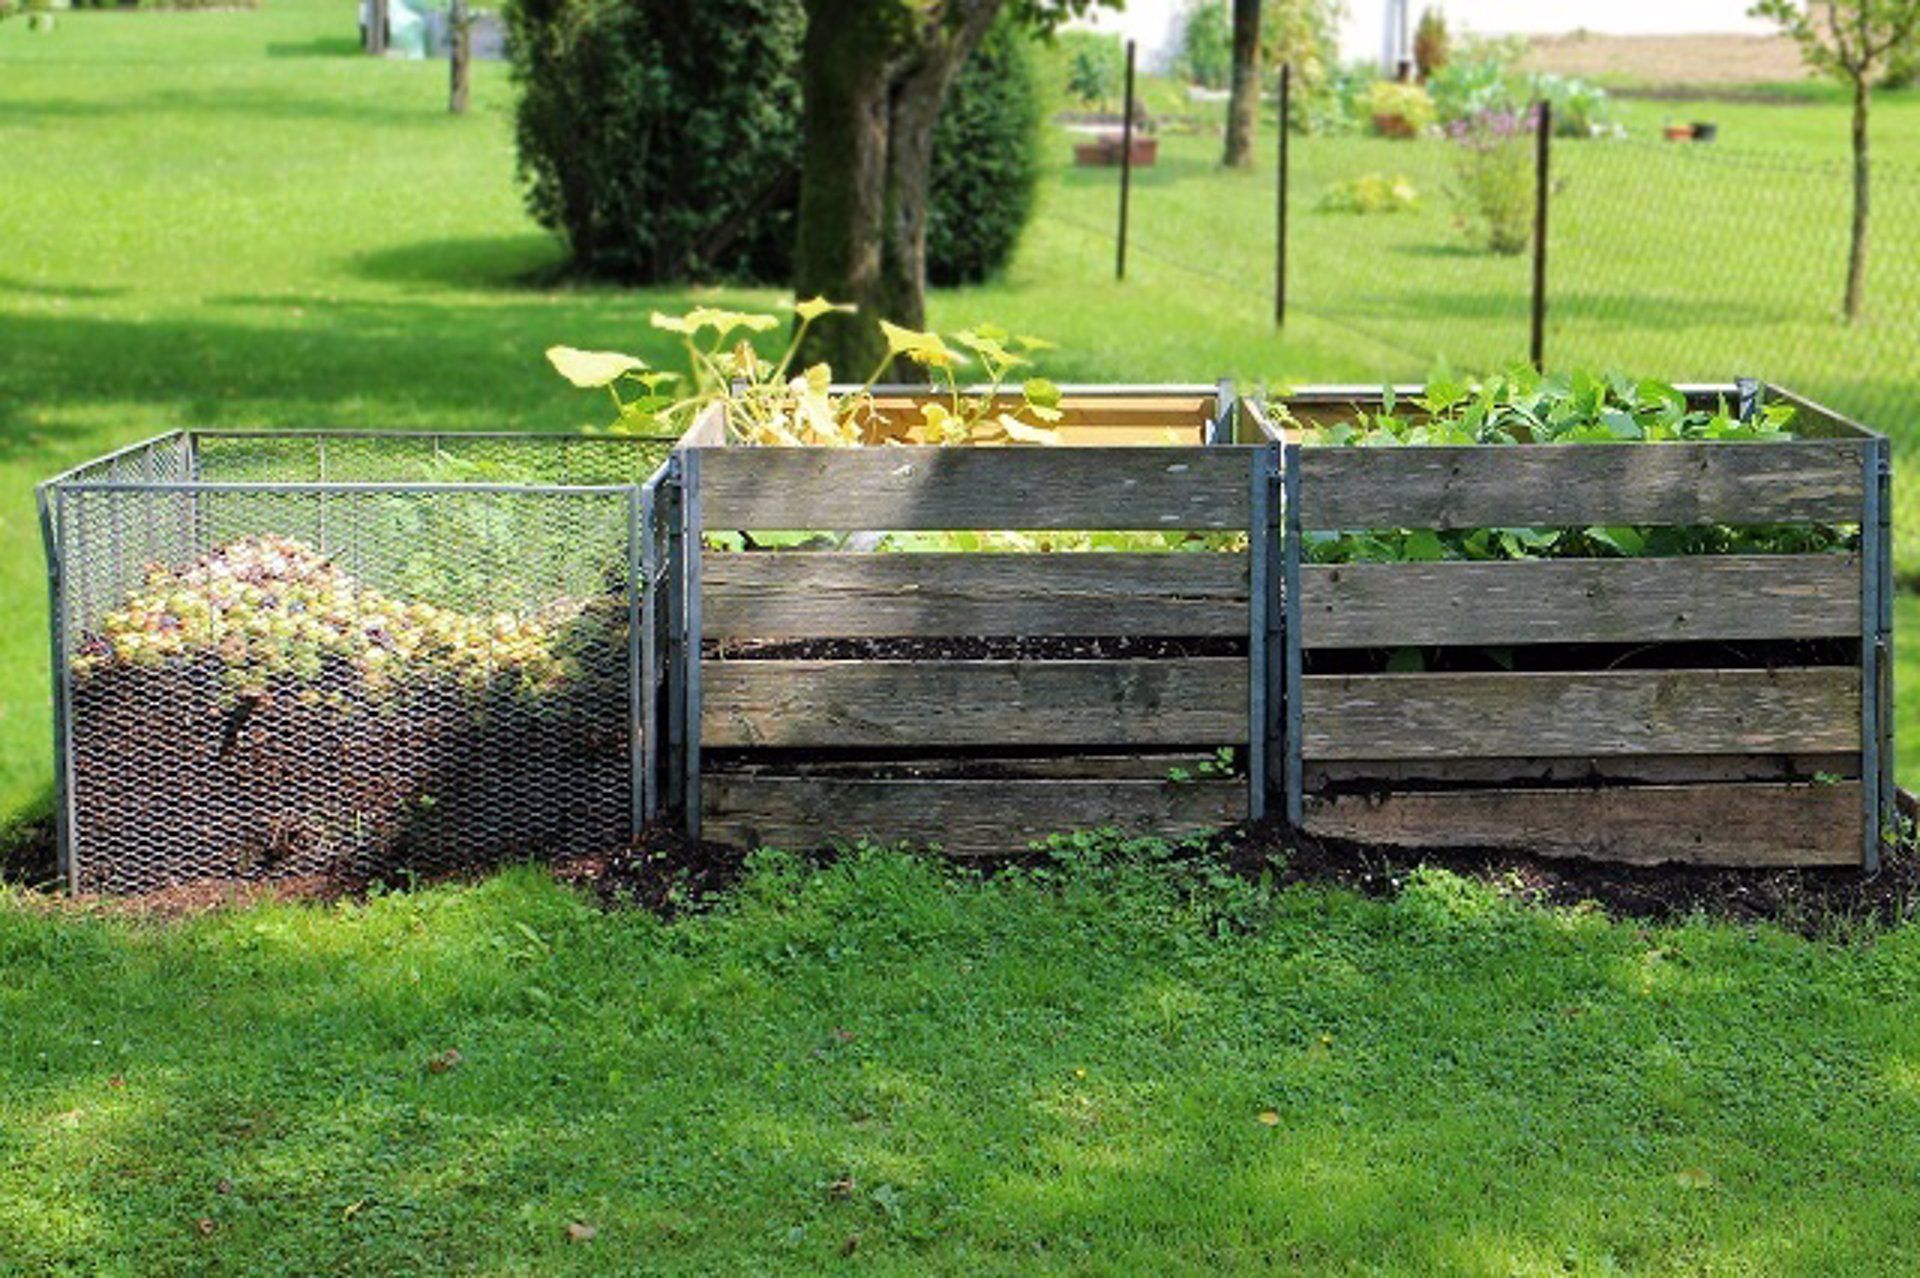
[267,676]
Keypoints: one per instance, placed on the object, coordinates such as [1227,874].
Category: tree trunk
[872,87]
[1857,244]
[1243,107]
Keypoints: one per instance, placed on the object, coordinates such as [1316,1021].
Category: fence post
[674,522]
[1126,168]
[1542,153]
[1280,236]
[459,56]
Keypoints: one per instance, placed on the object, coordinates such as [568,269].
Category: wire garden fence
[333,654]
[1690,258]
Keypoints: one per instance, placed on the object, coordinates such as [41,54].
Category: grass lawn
[1111,1070]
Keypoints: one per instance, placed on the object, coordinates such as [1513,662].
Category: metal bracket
[690,643]
[1263,614]
[1875,624]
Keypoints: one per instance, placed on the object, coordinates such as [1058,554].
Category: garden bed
[1719,708]
[1061,642]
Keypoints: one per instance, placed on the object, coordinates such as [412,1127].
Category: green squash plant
[770,403]
[1522,406]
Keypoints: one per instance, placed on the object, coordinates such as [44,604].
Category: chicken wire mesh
[350,656]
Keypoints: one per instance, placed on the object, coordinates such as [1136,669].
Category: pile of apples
[271,608]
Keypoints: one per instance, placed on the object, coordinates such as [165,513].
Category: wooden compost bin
[1720,709]
[976,700]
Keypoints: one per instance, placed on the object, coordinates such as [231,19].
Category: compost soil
[670,875]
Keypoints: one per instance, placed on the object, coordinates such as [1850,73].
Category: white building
[1364,33]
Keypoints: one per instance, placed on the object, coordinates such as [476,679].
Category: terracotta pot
[1679,133]
[1105,152]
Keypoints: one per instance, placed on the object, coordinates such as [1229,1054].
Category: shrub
[1095,67]
[658,139]
[661,140]
[986,160]
[1399,110]
[1206,44]
[1371,193]
[1493,164]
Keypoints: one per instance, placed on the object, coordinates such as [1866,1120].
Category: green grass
[229,219]
[1010,1076]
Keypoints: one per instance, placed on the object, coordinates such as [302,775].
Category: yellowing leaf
[591,369]
[925,349]
[1694,1178]
[1269,1118]
[671,323]
[814,307]
[1021,433]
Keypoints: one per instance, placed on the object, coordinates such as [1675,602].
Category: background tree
[1243,106]
[1853,41]
[1432,44]
[1206,44]
[873,76]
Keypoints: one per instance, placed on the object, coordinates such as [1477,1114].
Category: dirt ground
[1668,62]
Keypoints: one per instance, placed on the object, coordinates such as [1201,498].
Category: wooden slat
[1184,412]
[1581,601]
[850,489]
[1571,485]
[1741,824]
[965,818]
[760,595]
[1188,701]
[1357,775]
[1584,713]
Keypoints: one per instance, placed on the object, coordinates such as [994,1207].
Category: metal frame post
[640,653]
[1888,719]
[672,783]
[1293,779]
[1220,429]
[48,497]
[690,644]
[1872,763]
[1264,689]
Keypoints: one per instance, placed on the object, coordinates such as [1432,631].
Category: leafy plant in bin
[771,404]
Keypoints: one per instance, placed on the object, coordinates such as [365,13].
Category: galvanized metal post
[1746,391]
[675,771]
[1259,585]
[1884,635]
[690,572]
[1280,203]
[638,651]
[47,497]
[1293,780]
[1870,655]
[1220,429]
[647,675]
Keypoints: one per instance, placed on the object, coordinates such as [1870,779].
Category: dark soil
[662,871]
[1813,902]
[1028,648]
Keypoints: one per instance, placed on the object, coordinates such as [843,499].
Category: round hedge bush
[660,139]
[657,137]
[986,160]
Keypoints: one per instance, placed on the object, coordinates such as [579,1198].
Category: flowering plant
[1493,169]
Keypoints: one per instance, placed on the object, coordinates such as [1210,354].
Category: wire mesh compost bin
[290,654]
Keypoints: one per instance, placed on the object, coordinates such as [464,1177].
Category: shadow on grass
[528,261]
[319,47]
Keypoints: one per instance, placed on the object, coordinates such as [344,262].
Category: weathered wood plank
[1741,824]
[1186,701]
[1571,485]
[1358,775]
[851,489]
[709,429]
[1581,601]
[759,595]
[965,818]
[1811,710]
